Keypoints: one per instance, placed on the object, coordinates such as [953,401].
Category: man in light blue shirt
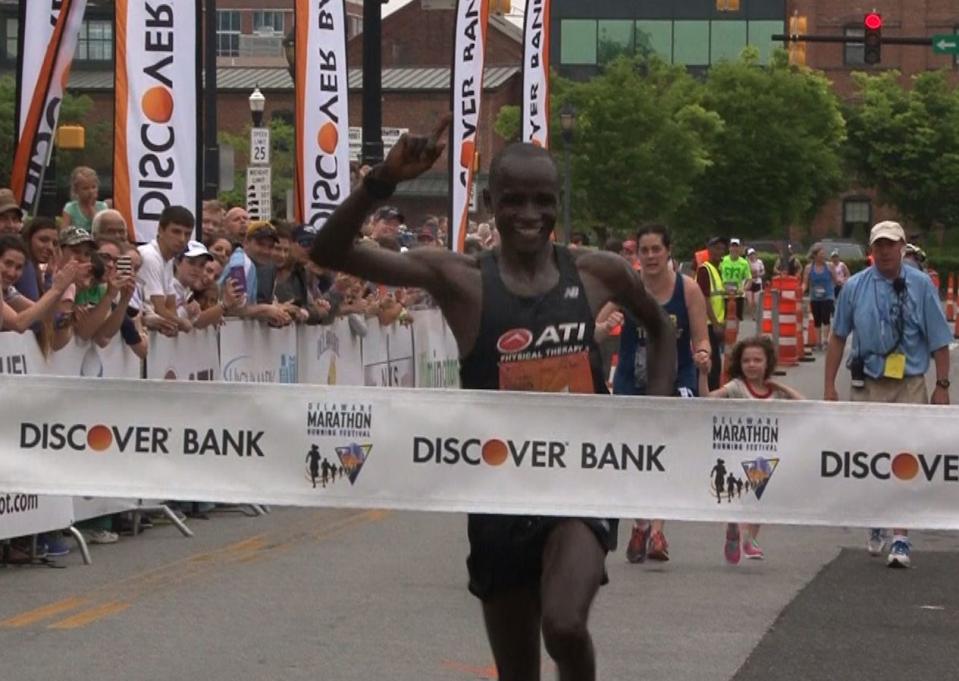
[897,323]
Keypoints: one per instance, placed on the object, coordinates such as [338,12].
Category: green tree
[640,140]
[906,144]
[777,159]
[282,155]
[7,143]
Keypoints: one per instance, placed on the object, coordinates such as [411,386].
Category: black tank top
[532,335]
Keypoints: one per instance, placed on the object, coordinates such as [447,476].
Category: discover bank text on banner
[536,73]
[156,129]
[803,462]
[469,55]
[53,27]
[322,124]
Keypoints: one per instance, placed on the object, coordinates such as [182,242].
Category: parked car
[848,250]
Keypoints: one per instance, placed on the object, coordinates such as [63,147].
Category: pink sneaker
[732,549]
[751,549]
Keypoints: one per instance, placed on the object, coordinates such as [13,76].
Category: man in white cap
[898,323]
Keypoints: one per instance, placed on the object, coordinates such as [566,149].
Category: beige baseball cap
[887,229]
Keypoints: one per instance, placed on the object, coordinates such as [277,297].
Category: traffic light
[873,38]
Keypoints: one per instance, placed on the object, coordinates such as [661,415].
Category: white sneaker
[876,543]
[899,554]
[101,537]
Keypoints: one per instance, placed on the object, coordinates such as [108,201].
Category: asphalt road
[346,595]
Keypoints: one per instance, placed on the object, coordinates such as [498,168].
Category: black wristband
[376,188]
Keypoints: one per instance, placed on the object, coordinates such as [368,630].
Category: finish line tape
[811,463]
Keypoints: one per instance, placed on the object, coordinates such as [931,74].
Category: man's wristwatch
[943,383]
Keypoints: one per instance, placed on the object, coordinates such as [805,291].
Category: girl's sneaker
[732,550]
[751,549]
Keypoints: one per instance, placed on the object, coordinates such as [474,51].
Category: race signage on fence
[390,137]
[260,146]
[251,352]
[53,29]
[186,357]
[259,190]
[26,514]
[322,125]
[156,111]
[803,462]
[469,55]
[536,72]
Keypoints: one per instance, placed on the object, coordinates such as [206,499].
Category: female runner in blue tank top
[685,305]
[819,283]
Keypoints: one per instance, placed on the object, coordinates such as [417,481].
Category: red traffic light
[873,21]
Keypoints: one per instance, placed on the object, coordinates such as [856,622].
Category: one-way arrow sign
[945,43]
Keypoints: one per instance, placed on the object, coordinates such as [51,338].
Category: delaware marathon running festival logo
[322,472]
[346,420]
[754,434]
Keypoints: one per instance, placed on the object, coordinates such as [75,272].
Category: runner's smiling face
[524,198]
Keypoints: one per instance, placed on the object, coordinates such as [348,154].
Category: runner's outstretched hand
[413,155]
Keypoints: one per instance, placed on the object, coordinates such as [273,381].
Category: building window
[691,43]
[267,22]
[11,31]
[856,216]
[727,40]
[95,42]
[760,35]
[354,25]
[227,33]
[655,37]
[615,38]
[854,54]
[577,41]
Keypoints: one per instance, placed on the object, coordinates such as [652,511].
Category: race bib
[818,292]
[561,374]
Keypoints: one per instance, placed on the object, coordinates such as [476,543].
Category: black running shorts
[506,552]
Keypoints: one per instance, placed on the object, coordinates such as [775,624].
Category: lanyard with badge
[894,361]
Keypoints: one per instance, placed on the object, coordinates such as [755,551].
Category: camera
[857,371]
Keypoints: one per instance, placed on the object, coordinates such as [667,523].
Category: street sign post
[390,137]
[259,192]
[945,43]
[260,146]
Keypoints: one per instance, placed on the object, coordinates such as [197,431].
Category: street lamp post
[259,183]
[567,122]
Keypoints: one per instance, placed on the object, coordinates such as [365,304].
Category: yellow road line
[42,613]
[81,619]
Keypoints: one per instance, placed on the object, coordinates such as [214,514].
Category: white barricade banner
[388,356]
[25,514]
[19,354]
[85,358]
[329,355]
[186,357]
[803,462]
[251,352]
[437,355]
[85,508]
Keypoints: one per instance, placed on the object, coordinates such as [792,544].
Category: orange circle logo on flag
[466,154]
[494,452]
[536,143]
[328,137]
[99,438]
[157,104]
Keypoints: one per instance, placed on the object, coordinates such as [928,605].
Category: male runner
[533,574]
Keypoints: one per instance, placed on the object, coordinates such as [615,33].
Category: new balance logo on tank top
[541,343]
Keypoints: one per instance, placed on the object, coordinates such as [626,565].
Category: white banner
[191,356]
[87,359]
[85,508]
[251,352]
[26,514]
[469,55]
[804,462]
[322,125]
[329,355]
[156,109]
[49,41]
[536,73]
[437,354]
